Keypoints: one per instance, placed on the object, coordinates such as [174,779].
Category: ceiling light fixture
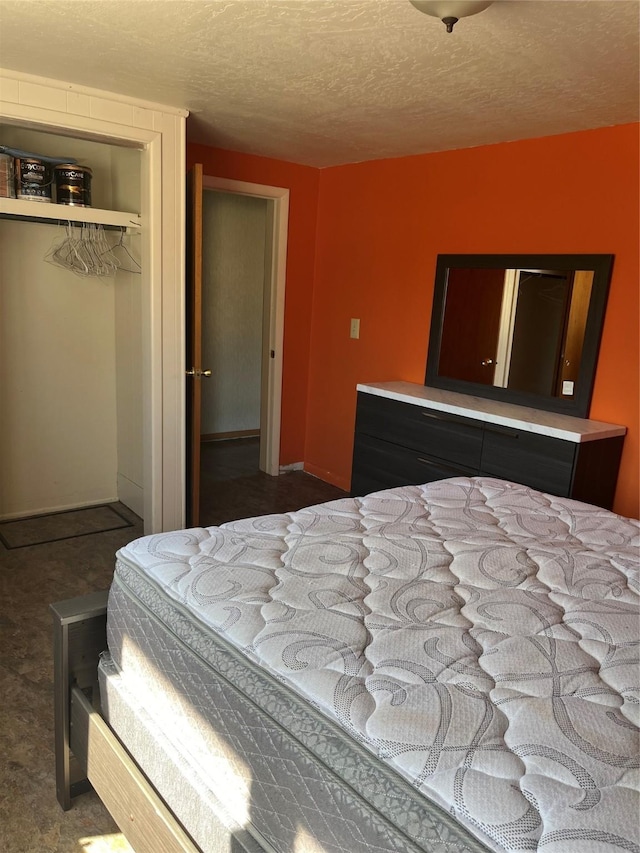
[450,11]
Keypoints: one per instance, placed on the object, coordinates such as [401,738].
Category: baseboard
[131,495]
[227,436]
[294,466]
[46,510]
[328,477]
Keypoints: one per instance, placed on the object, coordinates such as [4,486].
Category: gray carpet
[55,526]
[32,577]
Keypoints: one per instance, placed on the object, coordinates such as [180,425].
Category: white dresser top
[495,412]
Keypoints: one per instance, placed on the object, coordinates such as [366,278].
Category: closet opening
[71,342]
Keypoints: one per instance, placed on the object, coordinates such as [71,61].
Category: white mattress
[478,637]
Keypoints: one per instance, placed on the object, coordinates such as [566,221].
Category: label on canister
[33,179]
[7,181]
[73,185]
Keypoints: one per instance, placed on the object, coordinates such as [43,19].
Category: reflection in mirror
[521,328]
[516,328]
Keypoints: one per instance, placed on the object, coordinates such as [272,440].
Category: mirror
[524,329]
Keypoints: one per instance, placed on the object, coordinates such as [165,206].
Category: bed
[450,668]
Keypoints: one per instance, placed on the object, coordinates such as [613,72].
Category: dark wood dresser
[411,434]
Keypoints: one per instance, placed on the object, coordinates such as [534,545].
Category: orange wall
[381,225]
[363,241]
[303,182]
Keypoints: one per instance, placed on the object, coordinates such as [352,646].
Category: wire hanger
[85,251]
[120,245]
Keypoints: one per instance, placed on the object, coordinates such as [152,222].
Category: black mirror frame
[578,406]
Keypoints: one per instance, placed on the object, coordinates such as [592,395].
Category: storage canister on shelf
[7,177]
[33,179]
[73,185]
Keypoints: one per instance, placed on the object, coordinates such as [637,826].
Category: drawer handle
[435,417]
[506,431]
[438,464]
[483,426]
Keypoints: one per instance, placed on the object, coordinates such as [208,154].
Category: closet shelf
[46,212]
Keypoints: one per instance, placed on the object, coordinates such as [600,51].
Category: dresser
[410,434]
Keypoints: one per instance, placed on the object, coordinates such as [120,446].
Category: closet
[70,343]
[92,367]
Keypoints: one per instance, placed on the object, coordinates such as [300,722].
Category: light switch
[355,328]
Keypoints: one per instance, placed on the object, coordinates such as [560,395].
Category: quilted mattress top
[478,636]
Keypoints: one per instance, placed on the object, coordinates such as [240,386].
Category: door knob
[195,371]
[487,361]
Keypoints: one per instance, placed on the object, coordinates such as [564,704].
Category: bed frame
[88,753]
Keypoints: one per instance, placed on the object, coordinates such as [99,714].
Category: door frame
[159,132]
[271,413]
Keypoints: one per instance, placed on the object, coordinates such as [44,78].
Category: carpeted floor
[32,577]
[231,486]
[55,526]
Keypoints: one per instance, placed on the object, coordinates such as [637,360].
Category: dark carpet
[42,529]
[231,486]
[33,576]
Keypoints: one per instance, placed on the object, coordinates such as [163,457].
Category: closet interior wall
[70,351]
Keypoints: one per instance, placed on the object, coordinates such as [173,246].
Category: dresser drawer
[534,460]
[379,464]
[398,443]
[437,435]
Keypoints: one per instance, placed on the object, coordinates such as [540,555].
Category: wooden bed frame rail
[88,753]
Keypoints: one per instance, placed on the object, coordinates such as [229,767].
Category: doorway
[234,286]
[244,233]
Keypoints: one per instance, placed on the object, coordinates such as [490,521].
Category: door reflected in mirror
[521,329]
[525,329]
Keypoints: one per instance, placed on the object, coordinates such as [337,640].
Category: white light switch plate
[355,328]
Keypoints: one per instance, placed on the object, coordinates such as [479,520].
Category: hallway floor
[232,486]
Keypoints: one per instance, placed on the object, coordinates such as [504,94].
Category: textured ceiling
[324,82]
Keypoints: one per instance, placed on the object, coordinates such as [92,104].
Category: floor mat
[41,529]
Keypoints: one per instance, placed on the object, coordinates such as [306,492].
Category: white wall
[129,400]
[57,379]
[128,338]
[234,233]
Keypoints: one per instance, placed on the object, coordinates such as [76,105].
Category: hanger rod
[42,220]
